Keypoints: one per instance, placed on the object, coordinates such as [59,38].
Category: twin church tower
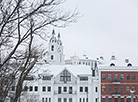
[55,50]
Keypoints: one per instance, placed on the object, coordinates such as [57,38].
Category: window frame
[64,89]
[133,77]
[81,89]
[103,77]
[122,89]
[109,89]
[109,77]
[36,88]
[127,77]
[48,89]
[43,88]
[122,77]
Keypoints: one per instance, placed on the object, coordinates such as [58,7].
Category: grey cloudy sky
[106,27]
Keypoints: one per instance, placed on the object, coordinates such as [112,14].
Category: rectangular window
[46,100]
[70,99]
[116,89]
[59,90]
[46,77]
[81,89]
[83,99]
[70,90]
[122,99]
[127,89]
[122,88]
[86,89]
[42,99]
[109,99]
[109,89]
[49,89]
[133,87]
[115,77]
[65,99]
[128,76]
[43,88]
[36,88]
[103,76]
[103,99]
[49,99]
[128,99]
[96,100]
[103,89]
[122,76]
[30,88]
[59,99]
[96,89]
[116,100]
[133,76]
[109,76]
[80,99]
[86,99]
[84,78]
[65,89]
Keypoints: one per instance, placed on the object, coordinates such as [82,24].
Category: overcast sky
[106,27]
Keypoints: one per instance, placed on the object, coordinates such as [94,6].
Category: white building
[59,80]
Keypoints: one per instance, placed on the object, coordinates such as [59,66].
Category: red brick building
[115,83]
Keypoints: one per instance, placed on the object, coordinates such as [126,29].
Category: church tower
[55,50]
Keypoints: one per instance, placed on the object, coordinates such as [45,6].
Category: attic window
[129,65]
[65,76]
[112,64]
[83,78]
[46,77]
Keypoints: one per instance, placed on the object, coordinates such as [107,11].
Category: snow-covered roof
[56,69]
[114,61]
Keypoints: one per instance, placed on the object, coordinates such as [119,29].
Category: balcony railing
[56,92]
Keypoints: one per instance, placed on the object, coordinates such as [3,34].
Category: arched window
[52,48]
[52,57]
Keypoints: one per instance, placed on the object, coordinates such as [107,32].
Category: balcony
[116,94]
[65,93]
[116,81]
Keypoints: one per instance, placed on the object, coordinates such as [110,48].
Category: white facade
[56,81]
[60,76]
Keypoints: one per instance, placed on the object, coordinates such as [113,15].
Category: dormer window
[129,65]
[113,57]
[112,64]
